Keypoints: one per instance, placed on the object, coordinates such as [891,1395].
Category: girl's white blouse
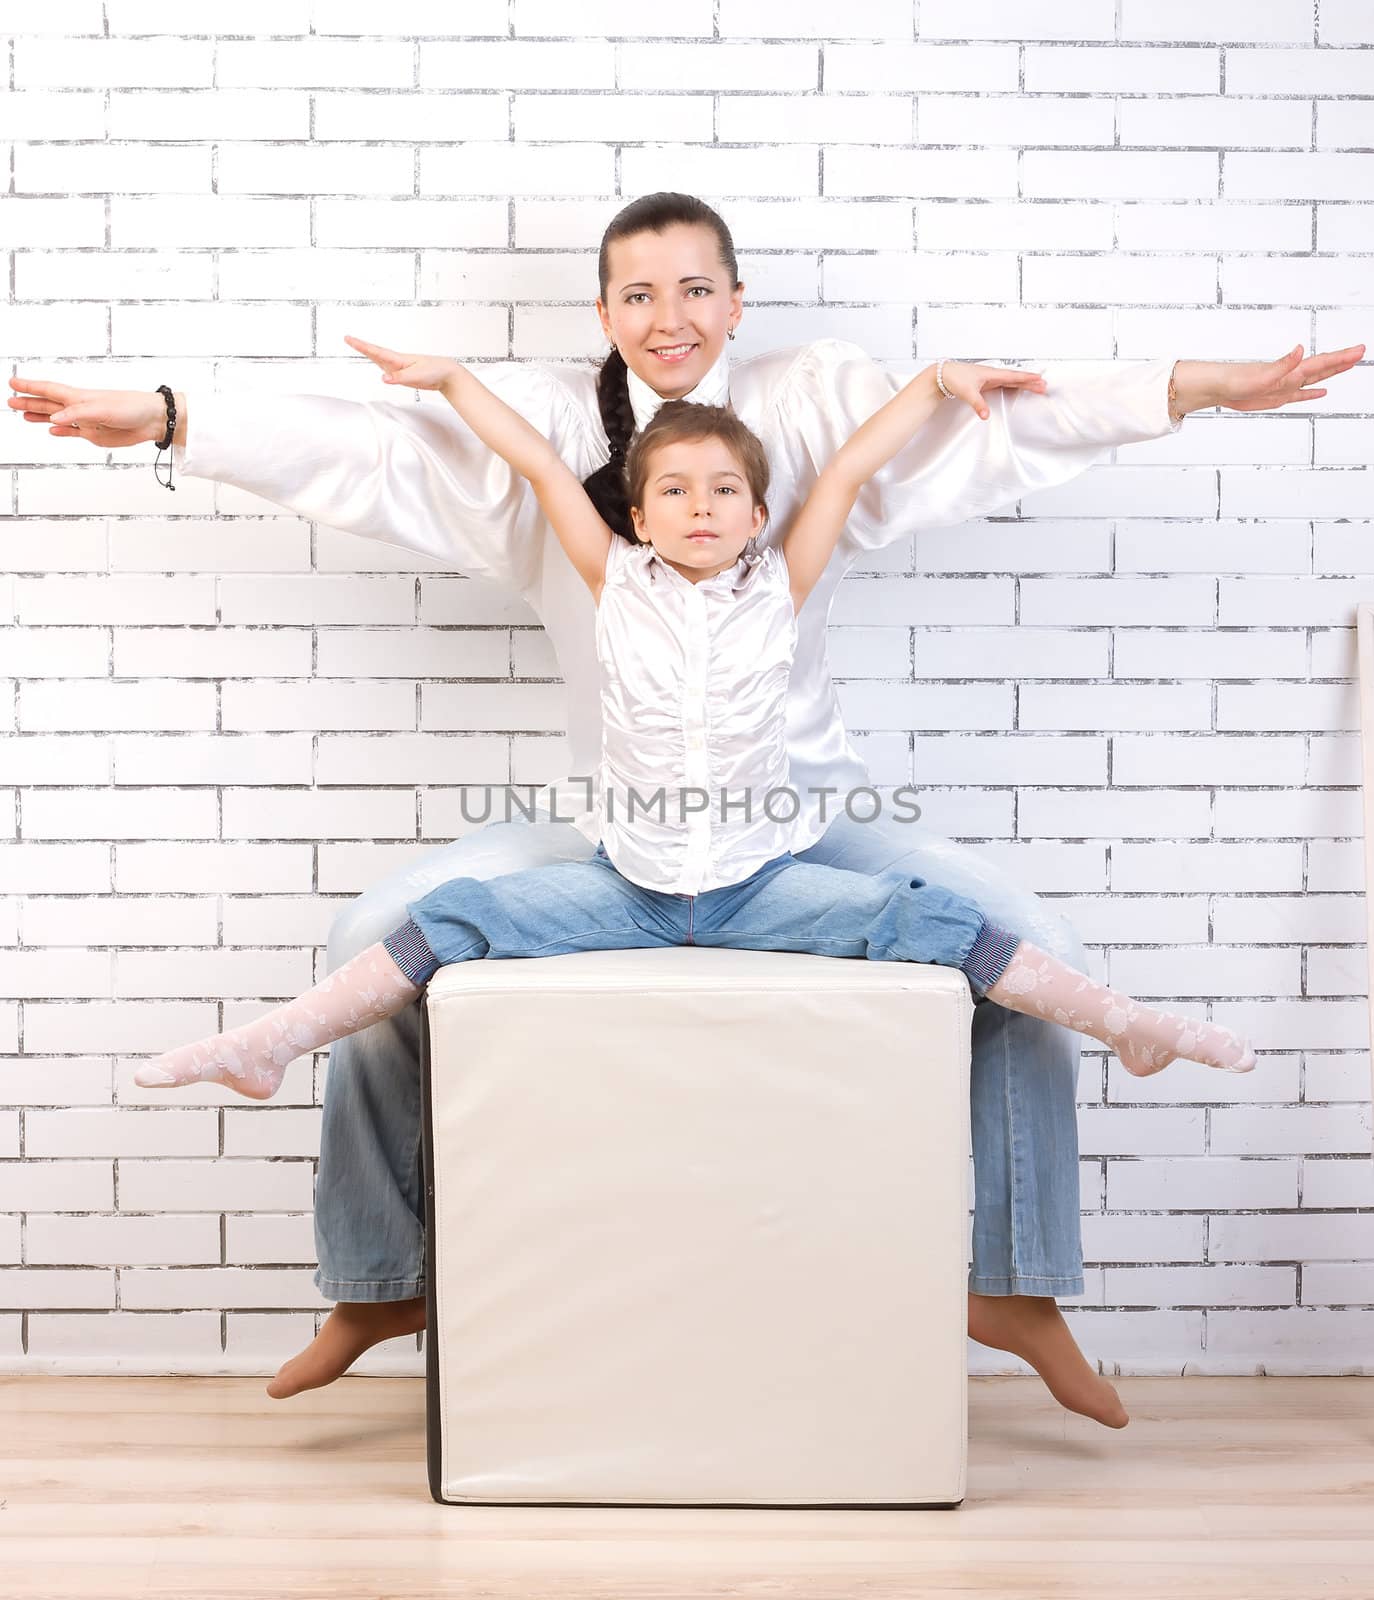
[694,788]
[417,476]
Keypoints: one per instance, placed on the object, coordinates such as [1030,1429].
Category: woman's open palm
[1266,385]
[108,418]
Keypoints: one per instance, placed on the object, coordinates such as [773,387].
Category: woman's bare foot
[1029,1326]
[349,1329]
[1032,1327]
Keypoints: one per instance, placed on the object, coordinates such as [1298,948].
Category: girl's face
[698,512]
[669,303]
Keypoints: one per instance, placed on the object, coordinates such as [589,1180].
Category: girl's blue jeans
[785,905]
[369,1203]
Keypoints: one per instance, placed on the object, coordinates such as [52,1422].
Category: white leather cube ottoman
[697,1226]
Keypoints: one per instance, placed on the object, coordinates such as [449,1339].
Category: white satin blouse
[417,476]
[694,788]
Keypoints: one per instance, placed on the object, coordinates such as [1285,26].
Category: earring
[751,550]
[729,333]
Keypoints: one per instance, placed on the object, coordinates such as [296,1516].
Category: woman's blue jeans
[369,1198]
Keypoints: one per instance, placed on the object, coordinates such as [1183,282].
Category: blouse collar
[713,390]
[733,578]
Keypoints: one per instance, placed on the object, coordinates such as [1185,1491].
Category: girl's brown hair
[680,422]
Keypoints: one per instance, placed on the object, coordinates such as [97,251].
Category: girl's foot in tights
[1145,1039]
[252,1059]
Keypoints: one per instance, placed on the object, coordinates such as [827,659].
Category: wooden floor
[1221,1488]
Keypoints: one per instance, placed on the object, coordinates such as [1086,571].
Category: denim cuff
[410,950]
[991,955]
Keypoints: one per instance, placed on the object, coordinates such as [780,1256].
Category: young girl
[696,631]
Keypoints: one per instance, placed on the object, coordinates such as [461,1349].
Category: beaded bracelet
[940,380]
[165,442]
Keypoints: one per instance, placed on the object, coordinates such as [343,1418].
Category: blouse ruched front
[693,789]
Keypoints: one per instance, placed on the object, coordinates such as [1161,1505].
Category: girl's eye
[672,489]
[700,288]
[637,294]
[725,488]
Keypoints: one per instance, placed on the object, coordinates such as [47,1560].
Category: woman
[416,476]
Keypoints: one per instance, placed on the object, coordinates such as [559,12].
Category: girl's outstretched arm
[816,531]
[581,531]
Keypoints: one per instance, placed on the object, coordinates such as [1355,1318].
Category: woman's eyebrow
[693,277]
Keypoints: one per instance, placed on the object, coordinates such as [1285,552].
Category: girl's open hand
[407,372]
[966,381]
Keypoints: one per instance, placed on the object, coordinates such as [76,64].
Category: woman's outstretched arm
[1258,385]
[405,474]
[958,466]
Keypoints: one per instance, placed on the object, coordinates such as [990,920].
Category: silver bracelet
[940,380]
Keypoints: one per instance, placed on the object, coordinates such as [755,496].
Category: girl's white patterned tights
[1145,1039]
[253,1058]
[372,987]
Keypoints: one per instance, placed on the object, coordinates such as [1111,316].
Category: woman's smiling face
[668,306]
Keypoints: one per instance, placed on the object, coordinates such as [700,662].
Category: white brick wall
[1134,692]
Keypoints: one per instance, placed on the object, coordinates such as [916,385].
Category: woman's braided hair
[652,213]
